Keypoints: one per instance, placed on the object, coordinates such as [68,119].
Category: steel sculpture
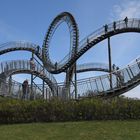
[115,83]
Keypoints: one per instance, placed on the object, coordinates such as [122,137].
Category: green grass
[91,130]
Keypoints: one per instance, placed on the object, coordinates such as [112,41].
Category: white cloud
[127,8]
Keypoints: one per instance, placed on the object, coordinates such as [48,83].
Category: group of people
[114,67]
[120,77]
[114,24]
[25,84]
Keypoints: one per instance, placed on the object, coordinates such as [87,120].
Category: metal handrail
[16,65]
[132,23]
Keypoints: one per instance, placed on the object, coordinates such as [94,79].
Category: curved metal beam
[94,38]
[74,34]
[131,77]
[93,67]
[99,86]
[23,66]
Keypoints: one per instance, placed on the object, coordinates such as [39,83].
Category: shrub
[18,111]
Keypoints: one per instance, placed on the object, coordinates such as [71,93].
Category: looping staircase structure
[132,25]
[17,45]
[115,83]
[74,38]
[24,66]
[122,81]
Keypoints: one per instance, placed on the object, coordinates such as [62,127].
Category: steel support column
[32,78]
[110,63]
[75,80]
[10,84]
[66,91]
[43,84]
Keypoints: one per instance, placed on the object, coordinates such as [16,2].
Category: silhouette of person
[106,28]
[114,25]
[126,21]
[87,40]
[120,77]
[114,66]
[138,63]
[55,65]
[117,68]
[25,89]
[37,49]
[32,64]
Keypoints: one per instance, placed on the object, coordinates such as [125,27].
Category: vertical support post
[19,92]
[131,71]
[96,86]
[102,83]
[10,84]
[43,82]
[32,80]
[76,48]
[57,92]
[49,95]
[91,85]
[110,63]
[128,74]
[46,94]
[67,86]
[75,81]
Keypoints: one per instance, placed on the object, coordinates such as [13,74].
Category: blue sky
[28,20]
